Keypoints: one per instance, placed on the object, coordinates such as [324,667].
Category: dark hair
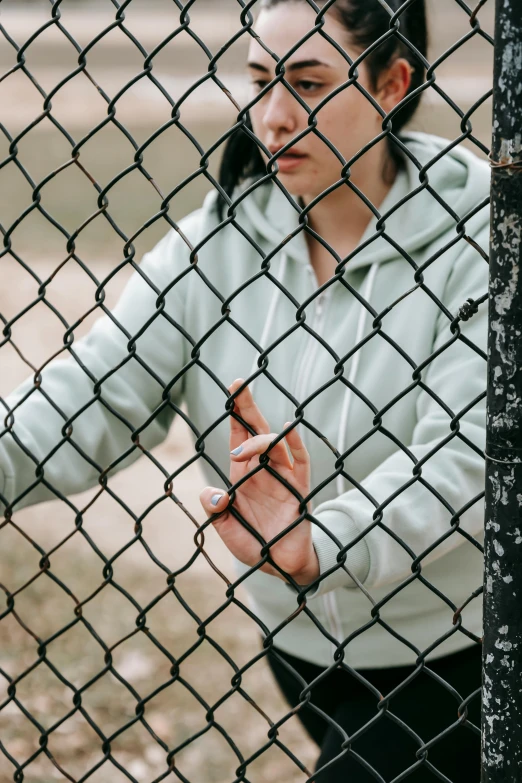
[366,21]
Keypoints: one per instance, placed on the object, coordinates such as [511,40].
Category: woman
[358,550]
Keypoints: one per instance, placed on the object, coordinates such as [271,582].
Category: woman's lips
[289,162]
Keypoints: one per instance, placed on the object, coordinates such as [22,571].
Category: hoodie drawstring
[270,316]
[348,395]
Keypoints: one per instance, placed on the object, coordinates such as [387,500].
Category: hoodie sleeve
[88,411]
[418,504]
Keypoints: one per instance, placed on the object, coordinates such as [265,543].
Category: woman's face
[348,120]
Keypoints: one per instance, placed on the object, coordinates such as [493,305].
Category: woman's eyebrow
[291,67]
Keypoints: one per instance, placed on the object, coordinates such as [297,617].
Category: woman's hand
[262,500]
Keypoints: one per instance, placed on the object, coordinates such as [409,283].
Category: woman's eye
[310,84]
[304,85]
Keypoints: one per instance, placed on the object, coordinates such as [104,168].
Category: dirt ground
[104,634]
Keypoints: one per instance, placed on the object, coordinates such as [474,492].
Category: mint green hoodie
[408,407]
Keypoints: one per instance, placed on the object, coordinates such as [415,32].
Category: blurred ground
[43,607]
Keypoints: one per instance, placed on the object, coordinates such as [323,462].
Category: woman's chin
[301,186]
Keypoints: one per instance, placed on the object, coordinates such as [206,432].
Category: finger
[247,408]
[213,500]
[238,432]
[300,455]
[258,445]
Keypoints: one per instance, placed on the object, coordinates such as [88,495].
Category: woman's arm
[452,475]
[63,433]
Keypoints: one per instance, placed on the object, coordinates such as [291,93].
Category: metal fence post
[502,677]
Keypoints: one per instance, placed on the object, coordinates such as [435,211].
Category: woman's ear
[393,84]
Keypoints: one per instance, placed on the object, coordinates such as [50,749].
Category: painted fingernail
[215,499]
[237,451]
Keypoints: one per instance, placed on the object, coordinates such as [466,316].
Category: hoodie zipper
[303,377]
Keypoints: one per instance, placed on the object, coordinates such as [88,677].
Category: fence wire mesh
[130,648]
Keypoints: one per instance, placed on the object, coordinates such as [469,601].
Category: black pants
[424,705]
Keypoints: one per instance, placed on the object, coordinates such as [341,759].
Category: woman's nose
[281,109]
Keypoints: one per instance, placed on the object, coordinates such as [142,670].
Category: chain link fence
[132,648]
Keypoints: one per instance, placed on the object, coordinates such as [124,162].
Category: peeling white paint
[502,644]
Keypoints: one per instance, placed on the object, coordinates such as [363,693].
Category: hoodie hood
[438,187]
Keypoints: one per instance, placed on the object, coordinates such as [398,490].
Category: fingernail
[215,499]
[237,451]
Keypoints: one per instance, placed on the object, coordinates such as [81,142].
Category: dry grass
[95,652]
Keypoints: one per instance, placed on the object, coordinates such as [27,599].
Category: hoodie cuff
[357,557]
